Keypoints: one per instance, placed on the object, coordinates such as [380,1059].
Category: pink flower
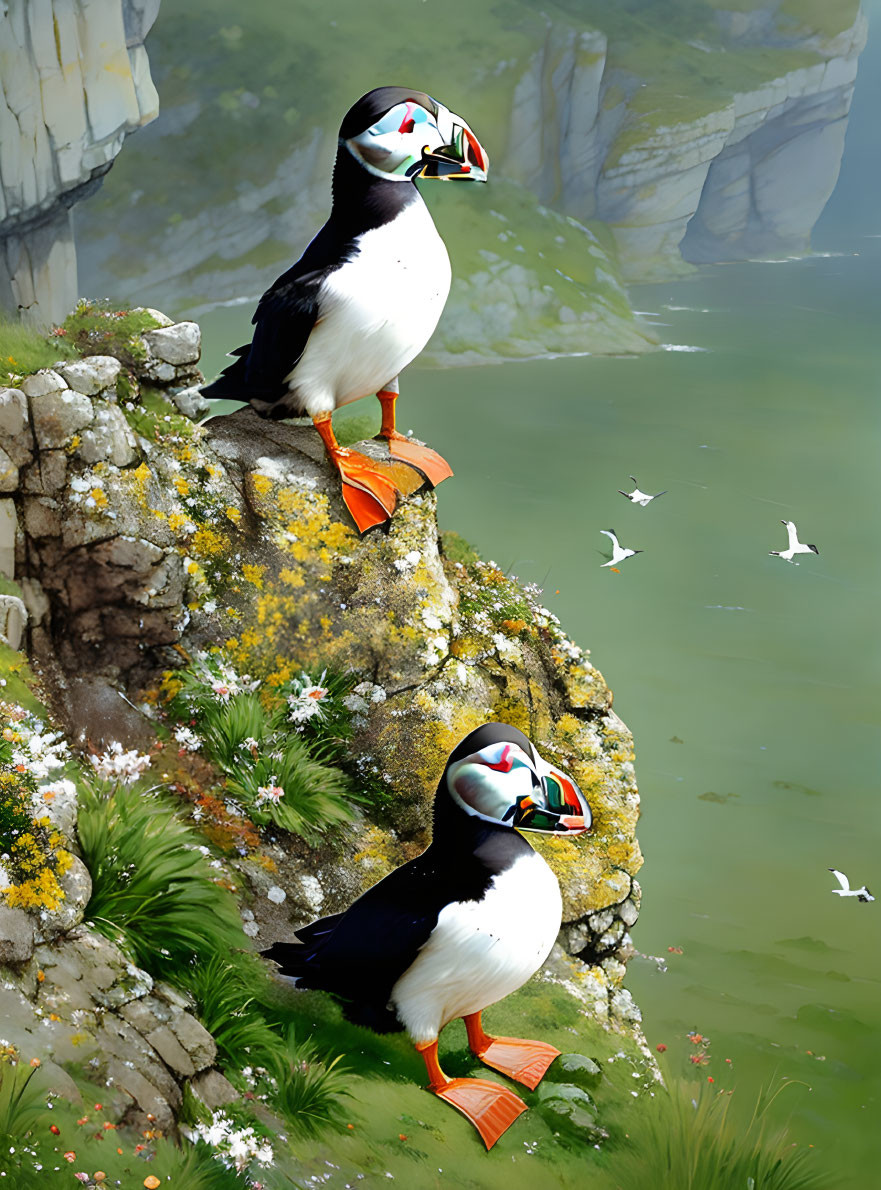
[270,793]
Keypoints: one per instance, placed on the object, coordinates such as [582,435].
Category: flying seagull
[862,894]
[619,553]
[795,546]
[638,497]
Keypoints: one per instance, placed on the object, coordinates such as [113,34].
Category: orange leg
[492,1109]
[429,462]
[525,1061]
[370,486]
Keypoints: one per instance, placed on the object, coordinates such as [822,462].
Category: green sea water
[751,685]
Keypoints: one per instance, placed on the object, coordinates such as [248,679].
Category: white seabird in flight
[619,553]
[638,497]
[862,894]
[795,546]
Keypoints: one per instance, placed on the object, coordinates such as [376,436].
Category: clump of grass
[279,749]
[309,1093]
[24,350]
[223,988]
[152,889]
[686,1139]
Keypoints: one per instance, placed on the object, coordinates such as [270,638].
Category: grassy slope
[389,1100]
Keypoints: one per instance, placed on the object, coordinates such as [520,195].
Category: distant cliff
[75,79]
[709,149]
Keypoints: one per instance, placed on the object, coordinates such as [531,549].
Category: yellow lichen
[232,514]
[254,574]
[207,542]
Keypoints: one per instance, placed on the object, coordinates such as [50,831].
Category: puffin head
[496,774]
[400,135]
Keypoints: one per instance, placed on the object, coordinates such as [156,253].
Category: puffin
[460,927]
[366,295]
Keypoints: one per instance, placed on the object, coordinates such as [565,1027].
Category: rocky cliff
[75,80]
[145,543]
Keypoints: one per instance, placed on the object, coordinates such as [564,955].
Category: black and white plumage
[366,295]
[638,497]
[795,546]
[619,552]
[862,894]
[459,927]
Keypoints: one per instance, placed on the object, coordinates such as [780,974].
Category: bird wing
[664,493]
[841,878]
[793,534]
[283,322]
[627,494]
[610,533]
[359,955]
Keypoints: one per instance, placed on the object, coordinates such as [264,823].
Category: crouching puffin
[460,927]
[364,298]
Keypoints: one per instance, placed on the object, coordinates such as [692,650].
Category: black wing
[359,955]
[283,320]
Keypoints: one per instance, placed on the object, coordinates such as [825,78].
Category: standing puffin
[364,298]
[460,927]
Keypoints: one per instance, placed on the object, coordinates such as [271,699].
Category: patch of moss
[100,328]
[456,549]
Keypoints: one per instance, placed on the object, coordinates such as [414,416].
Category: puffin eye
[407,126]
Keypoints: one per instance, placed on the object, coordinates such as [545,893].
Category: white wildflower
[187,738]
[306,698]
[118,765]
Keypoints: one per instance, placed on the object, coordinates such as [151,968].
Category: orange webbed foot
[525,1061]
[433,466]
[492,1109]
[370,486]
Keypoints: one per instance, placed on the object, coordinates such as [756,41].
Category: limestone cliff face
[75,80]
[747,176]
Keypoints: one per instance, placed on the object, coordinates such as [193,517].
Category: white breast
[481,951]
[377,312]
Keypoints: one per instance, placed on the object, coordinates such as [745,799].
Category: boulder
[16,935]
[91,375]
[178,344]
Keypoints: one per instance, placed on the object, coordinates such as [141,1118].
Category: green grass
[24,350]
[100,328]
[251,737]
[689,1139]
[152,889]
[312,1095]
[225,989]
[32,1155]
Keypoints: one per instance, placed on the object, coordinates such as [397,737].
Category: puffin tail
[232,383]
[292,958]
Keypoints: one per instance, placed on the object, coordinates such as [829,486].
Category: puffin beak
[464,157]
